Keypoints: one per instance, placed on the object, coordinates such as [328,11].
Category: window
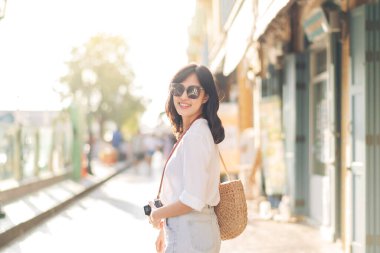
[321,137]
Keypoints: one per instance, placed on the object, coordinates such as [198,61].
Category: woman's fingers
[161,246]
[153,219]
[160,242]
[158,245]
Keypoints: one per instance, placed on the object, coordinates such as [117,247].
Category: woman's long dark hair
[210,108]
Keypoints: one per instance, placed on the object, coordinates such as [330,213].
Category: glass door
[322,138]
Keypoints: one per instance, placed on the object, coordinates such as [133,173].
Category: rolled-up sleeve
[196,174]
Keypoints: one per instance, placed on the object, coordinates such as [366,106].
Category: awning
[267,11]
[238,37]
[217,63]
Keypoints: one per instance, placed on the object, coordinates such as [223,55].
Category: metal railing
[34,145]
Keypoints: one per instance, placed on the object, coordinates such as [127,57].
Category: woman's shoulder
[201,129]
[200,126]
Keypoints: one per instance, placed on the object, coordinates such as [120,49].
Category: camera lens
[147,210]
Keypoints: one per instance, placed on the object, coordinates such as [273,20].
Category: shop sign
[316,25]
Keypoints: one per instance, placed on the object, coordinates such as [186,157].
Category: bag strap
[224,165]
[171,152]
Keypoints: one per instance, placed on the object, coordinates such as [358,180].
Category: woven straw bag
[232,209]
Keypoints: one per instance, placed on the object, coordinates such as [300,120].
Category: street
[111,219]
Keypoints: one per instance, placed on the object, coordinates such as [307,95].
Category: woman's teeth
[184,105]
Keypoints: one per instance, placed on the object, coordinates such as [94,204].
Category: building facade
[305,76]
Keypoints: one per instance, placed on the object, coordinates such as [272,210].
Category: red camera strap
[171,152]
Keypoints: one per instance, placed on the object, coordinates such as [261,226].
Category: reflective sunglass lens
[177,90]
[193,92]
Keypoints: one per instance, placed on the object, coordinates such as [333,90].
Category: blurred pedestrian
[117,138]
[168,142]
[150,146]
[190,188]
[117,143]
[138,150]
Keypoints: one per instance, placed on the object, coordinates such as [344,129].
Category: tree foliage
[100,76]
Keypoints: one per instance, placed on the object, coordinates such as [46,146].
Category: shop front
[324,120]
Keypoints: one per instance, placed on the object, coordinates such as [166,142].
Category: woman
[190,188]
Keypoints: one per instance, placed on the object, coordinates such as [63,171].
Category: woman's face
[189,108]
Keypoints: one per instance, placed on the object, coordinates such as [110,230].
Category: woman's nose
[184,94]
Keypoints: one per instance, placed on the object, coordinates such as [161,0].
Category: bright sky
[36,37]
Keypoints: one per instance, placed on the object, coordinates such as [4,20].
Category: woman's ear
[205,99]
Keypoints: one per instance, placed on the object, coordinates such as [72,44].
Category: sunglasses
[192,91]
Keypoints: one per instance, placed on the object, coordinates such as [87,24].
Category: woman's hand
[153,219]
[160,242]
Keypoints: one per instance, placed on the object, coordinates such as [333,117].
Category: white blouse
[193,171]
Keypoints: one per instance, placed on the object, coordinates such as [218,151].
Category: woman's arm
[171,210]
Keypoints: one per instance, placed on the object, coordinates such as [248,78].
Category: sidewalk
[269,236]
[30,210]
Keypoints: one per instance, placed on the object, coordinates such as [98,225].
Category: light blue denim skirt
[193,232]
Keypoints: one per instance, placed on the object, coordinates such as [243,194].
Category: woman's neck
[188,121]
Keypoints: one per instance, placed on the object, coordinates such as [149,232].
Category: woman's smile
[184,105]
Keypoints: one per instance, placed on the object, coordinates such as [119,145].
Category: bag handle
[224,165]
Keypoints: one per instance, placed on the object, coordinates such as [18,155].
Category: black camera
[148,209]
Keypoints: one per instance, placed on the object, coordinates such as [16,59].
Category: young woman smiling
[190,184]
